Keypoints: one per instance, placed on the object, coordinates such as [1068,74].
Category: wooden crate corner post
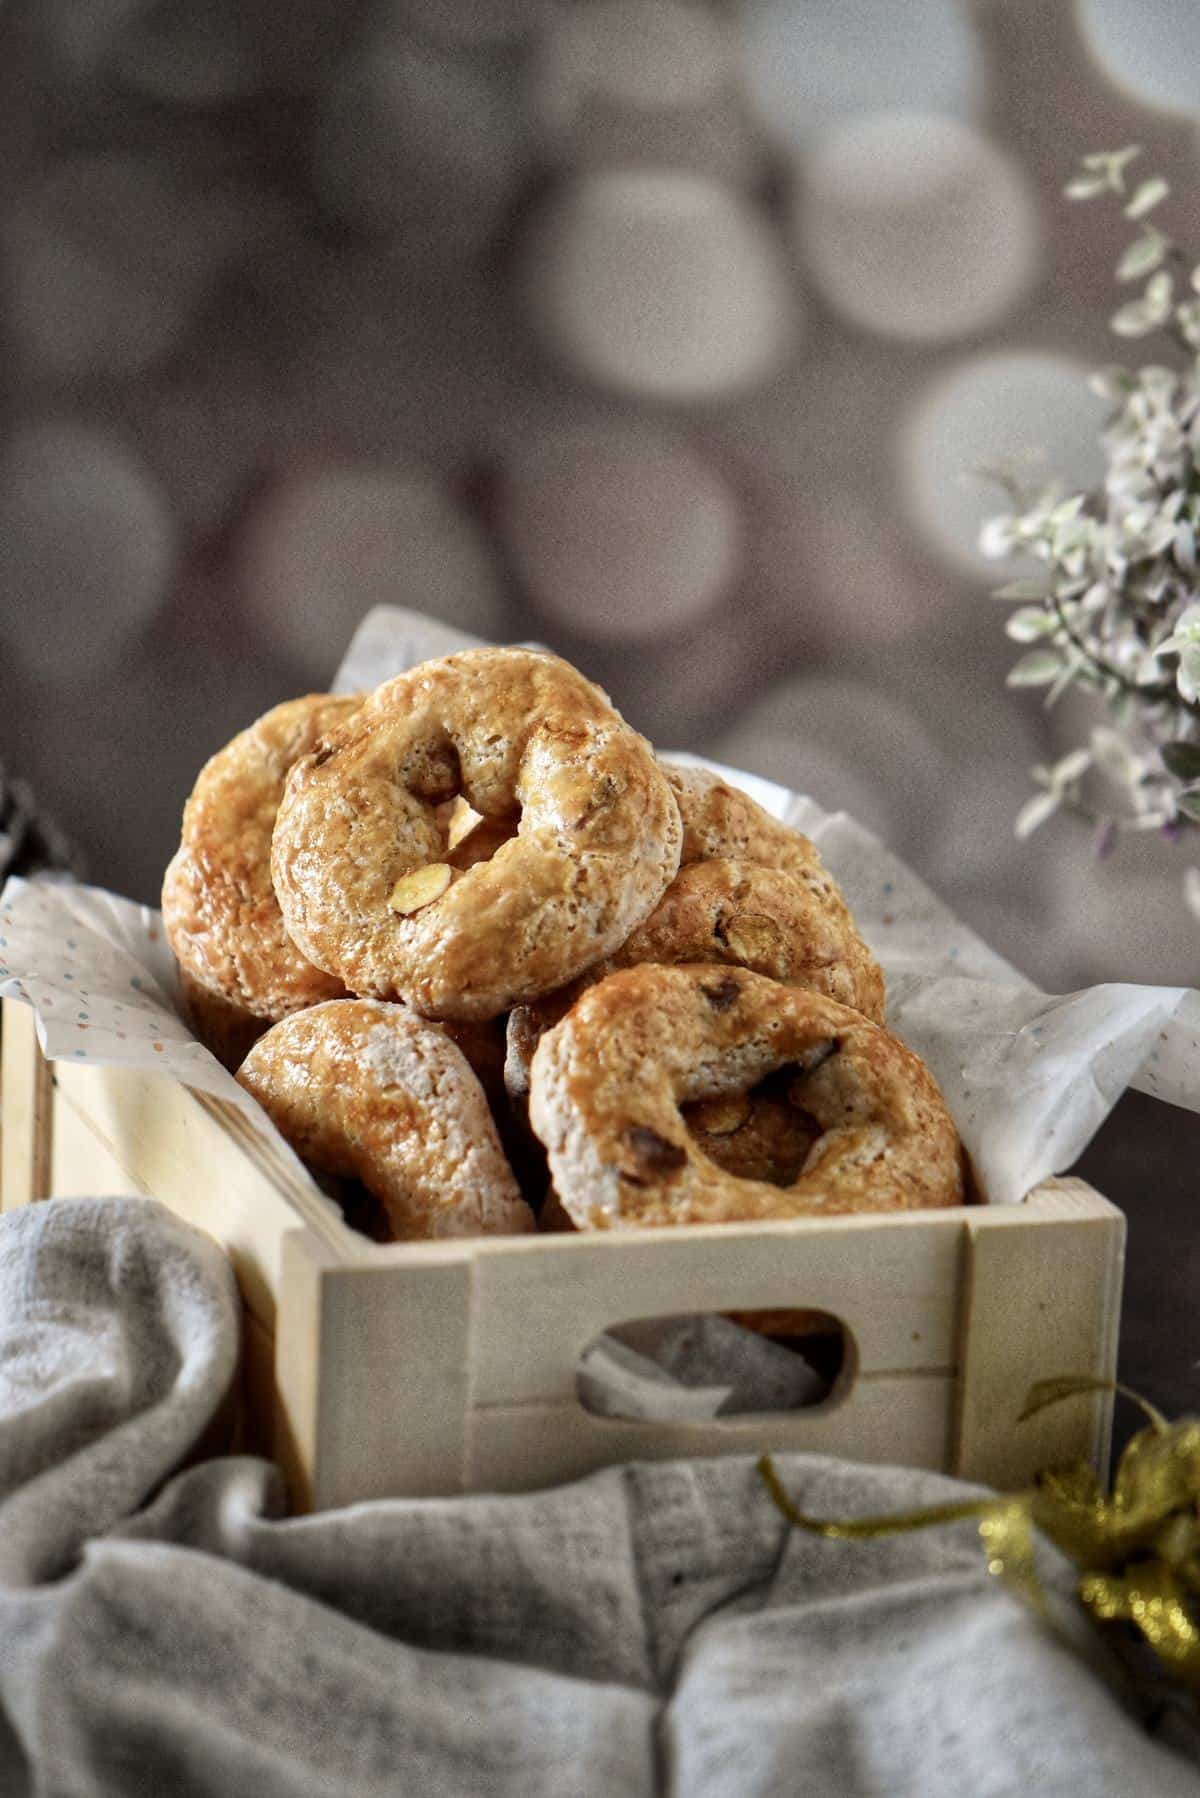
[374,1370]
[1041,1299]
[26,1111]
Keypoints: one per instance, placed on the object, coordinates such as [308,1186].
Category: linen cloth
[652,1629]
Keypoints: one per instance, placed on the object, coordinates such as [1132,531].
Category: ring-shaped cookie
[793,930]
[596,845]
[239,967]
[369,1091]
[609,1080]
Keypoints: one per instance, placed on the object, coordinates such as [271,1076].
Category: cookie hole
[432,771]
[470,838]
[712,1365]
[760,1134]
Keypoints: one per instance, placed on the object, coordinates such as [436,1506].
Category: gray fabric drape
[652,1629]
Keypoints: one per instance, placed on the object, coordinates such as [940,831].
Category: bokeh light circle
[420,146]
[104,266]
[660,283]
[623,84]
[917,226]
[830,565]
[810,66]
[1149,48]
[814,769]
[1019,407]
[621,531]
[86,549]
[851,744]
[325,545]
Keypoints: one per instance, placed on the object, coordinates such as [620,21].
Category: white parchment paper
[1028,1077]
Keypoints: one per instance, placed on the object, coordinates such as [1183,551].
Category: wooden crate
[430,1368]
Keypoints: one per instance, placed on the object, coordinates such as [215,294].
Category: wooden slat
[1042,1299]
[81,1164]
[894,1286]
[187,1154]
[903,1418]
[26,1112]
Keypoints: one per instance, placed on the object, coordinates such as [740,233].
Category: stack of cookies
[489,963]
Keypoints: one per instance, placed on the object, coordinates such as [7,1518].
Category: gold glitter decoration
[1137,1547]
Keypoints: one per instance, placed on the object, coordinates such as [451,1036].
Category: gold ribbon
[1137,1547]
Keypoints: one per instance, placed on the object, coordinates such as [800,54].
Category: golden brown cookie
[369,1091]
[792,929]
[220,913]
[608,1083]
[360,852]
[719,820]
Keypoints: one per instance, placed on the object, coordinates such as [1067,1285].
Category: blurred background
[667,332]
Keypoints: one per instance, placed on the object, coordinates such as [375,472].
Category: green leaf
[1188,803]
[1187,317]
[1030,586]
[1037,669]
[1134,320]
[1146,197]
[1142,257]
[1030,623]
[1086,187]
[1071,768]
[1159,290]
[1111,159]
[1068,509]
[1182,759]
[1067,678]
[1034,813]
[1112,383]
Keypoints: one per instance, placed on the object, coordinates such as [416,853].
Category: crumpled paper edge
[109,994]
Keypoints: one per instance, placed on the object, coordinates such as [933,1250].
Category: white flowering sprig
[1112,603]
